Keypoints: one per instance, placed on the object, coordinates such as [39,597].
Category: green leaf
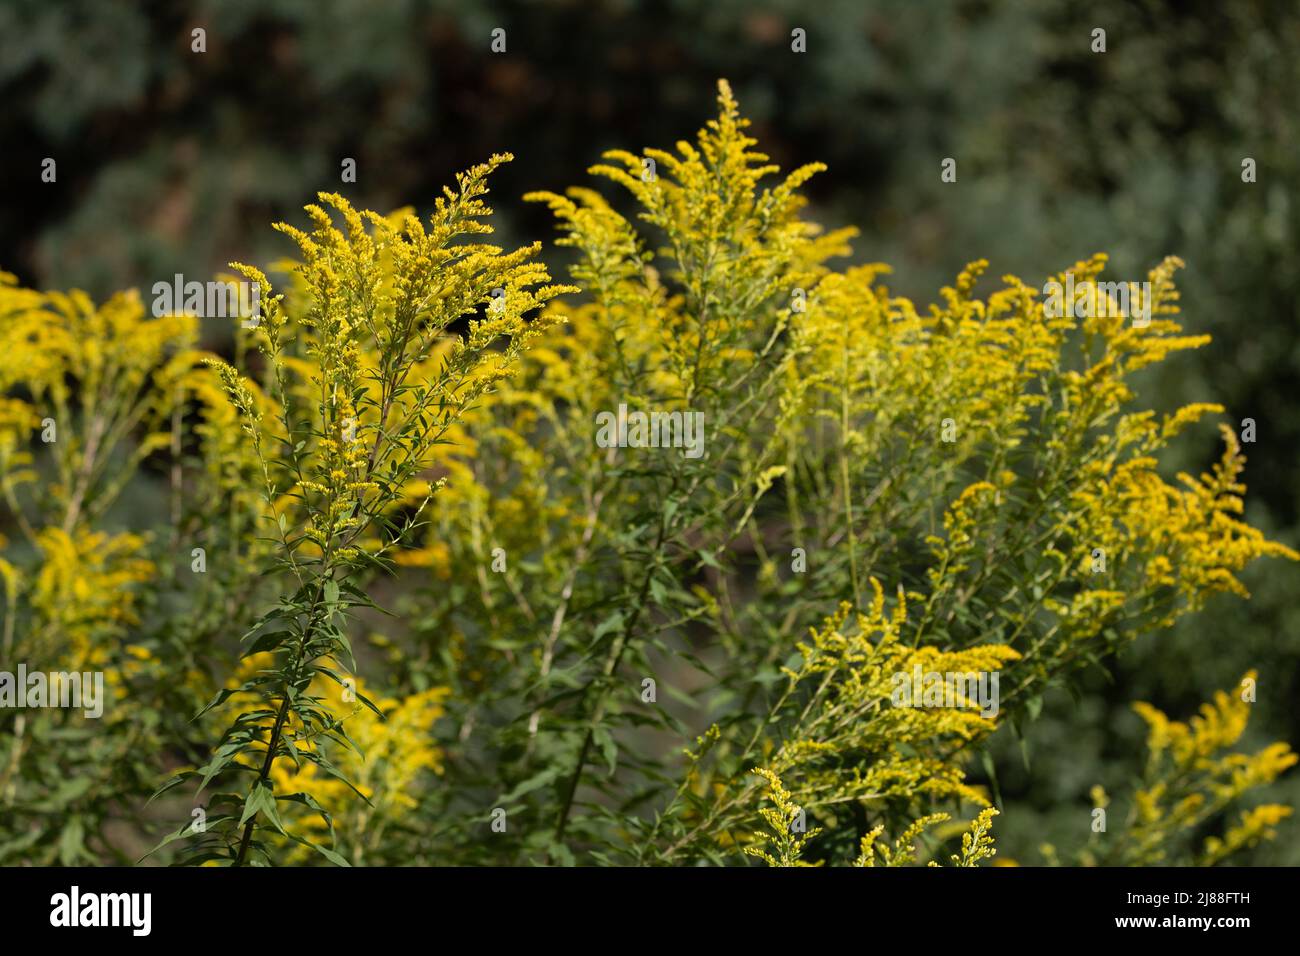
[267,642]
[72,841]
[329,854]
[539,779]
[180,834]
[608,748]
[613,622]
[261,799]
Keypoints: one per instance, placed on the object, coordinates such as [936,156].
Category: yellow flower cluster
[850,742]
[903,851]
[977,845]
[1192,775]
[85,592]
[976,842]
[787,826]
[1189,539]
[391,753]
[1255,826]
[89,377]
[385,759]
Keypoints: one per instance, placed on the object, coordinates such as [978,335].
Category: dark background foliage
[173,161]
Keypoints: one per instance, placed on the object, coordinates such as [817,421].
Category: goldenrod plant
[737,557]
[1192,776]
[971,478]
[90,393]
[364,384]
